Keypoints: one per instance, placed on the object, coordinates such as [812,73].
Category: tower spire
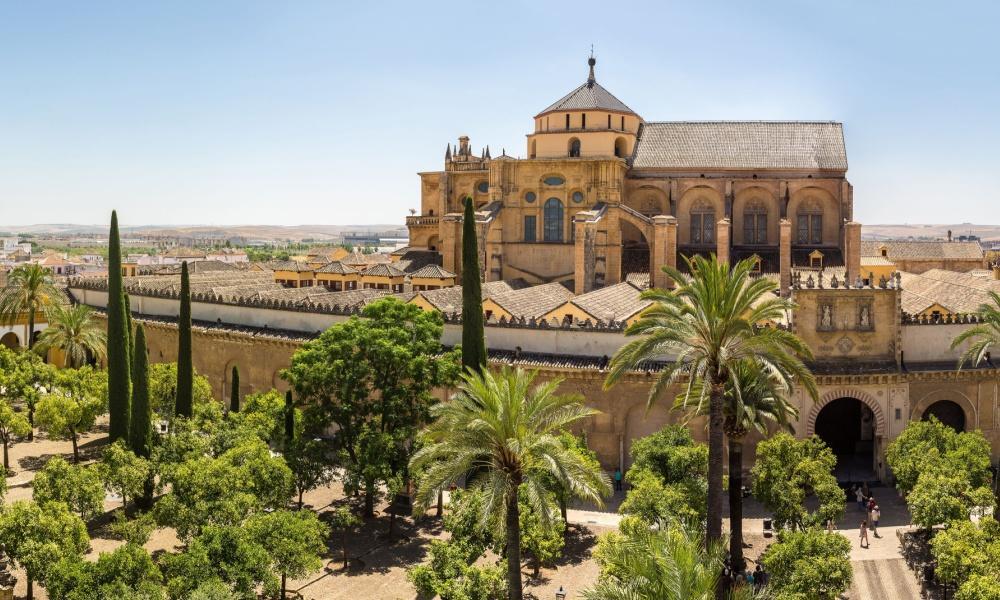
[591,80]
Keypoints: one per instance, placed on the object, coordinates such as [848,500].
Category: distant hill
[928,232]
[264,232]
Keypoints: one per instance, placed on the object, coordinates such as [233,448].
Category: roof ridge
[766,121]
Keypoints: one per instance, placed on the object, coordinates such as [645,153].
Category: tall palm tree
[701,329]
[666,563]
[73,331]
[984,336]
[29,289]
[506,430]
[754,400]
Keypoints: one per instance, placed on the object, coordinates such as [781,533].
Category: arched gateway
[852,424]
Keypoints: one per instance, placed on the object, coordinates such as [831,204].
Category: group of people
[866,502]
[735,578]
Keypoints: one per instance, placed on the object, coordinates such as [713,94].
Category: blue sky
[321,112]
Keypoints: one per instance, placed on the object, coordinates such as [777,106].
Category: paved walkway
[880,573]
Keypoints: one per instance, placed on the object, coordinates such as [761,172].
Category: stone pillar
[583,256]
[664,250]
[451,242]
[722,240]
[852,250]
[613,262]
[785,255]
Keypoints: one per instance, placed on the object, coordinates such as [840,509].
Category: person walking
[876,515]
[618,480]
[859,495]
[758,577]
[864,534]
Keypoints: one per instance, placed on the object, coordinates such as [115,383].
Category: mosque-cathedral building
[572,233]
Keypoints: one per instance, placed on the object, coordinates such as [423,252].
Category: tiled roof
[957,292]
[358,258]
[290,265]
[534,301]
[590,95]
[184,253]
[449,300]
[345,298]
[433,272]
[741,145]
[923,250]
[616,302]
[382,270]
[876,261]
[337,268]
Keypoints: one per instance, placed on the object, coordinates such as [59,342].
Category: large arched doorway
[948,412]
[848,427]
[10,340]
[635,250]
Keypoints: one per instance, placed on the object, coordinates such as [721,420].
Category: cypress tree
[473,339]
[289,419]
[185,367]
[234,394]
[141,424]
[129,331]
[118,363]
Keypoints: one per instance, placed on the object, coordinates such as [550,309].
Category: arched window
[620,147]
[702,222]
[810,223]
[755,223]
[574,148]
[553,215]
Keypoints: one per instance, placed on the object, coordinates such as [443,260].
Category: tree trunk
[513,547]
[76,450]
[440,507]
[562,508]
[31,422]
[282,586]
[369,500]
[736,503]
[31,327]
[6,458]
[343,541]
[715,443]
[31,589]
[301,491]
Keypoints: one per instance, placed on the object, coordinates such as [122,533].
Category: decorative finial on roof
[488,151]
[591,80]
[447,152]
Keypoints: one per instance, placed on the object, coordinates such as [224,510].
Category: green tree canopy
[226,553]
[373,376]
[36,537]
[295,541]
[809,563]
[123,473]
[788,470]
[933,446]
[668,477]
[163,389]
[78,487]
[13,426]
[24,377]
[72,405]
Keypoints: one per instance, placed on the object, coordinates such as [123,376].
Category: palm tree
[984,336]
[754,399]
[506,430]
[73,331]
[29,289]
[701,329]
[666,563]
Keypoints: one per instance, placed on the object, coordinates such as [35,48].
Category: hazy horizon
[255,112]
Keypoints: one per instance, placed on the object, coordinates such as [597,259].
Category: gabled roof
[956,292]
[433,272]
[533,301]
[290,265]
[449,300]
[741,145]
[382,270]
[337,268]
[616,302]
[923,250]
[589,96]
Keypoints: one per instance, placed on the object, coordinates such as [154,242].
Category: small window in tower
[574,148]
[577,197]
[609,121]
[583,121]
[529,197]
[623,123]
[567,121]
[482,187]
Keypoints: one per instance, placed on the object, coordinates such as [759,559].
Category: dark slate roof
[382,270]
[590,95]
[741,145]
[433,272]
[337,268]
[923,250]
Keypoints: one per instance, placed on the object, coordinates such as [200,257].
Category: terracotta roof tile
[923,250]
[534,301]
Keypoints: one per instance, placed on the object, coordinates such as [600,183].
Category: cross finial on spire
[591,79]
